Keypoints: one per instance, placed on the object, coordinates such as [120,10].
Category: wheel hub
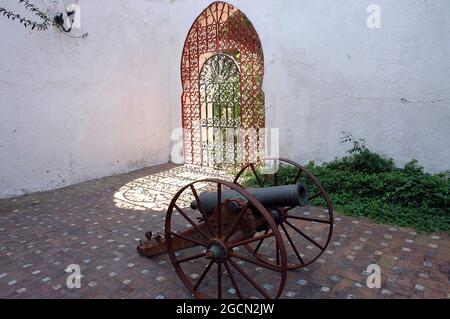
[217,251]
[279,215]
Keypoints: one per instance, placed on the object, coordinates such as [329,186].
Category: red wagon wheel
[308,229]
[214,240]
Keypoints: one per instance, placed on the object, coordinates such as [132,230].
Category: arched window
[222,71]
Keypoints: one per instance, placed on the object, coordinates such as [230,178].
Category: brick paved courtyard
[98,224]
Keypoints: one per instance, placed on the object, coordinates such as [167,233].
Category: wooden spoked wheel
[307,229]
[207,249]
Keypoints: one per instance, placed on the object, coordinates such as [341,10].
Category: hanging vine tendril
[44,25]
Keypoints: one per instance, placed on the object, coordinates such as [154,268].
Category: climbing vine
[43,23]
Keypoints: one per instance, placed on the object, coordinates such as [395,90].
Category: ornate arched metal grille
[222,34]
[220,111]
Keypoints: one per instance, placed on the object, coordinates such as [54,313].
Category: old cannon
[251,237]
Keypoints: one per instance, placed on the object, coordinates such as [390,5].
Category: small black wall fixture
[59,20]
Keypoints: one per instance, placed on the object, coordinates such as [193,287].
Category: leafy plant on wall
[63,15]
[43,20]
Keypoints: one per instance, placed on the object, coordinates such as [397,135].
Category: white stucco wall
[327,72]
[72,110]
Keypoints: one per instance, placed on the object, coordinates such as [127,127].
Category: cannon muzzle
[270,197]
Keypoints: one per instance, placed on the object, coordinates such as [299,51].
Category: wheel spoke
[249,279]
[191,221]
[292,244]
[233,281]
[277,253]
[261,241]
[203,275]
[236,221]
[219,210]
[255,262]
[219,280]
[297,177]
[251,240]
[275,175]
[275,179]
[252,166]
[315,196]
[304,235]
[191,258]
[200,209]
[317,220]
[291,207]
[189,239]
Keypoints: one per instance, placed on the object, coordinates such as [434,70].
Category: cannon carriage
[221,236]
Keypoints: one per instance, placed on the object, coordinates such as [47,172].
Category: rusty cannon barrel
[270,197]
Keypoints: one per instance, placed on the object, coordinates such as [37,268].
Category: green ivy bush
[364,183]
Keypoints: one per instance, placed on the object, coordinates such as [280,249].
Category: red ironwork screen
[222,29]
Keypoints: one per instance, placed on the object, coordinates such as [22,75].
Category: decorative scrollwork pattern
[222,49]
